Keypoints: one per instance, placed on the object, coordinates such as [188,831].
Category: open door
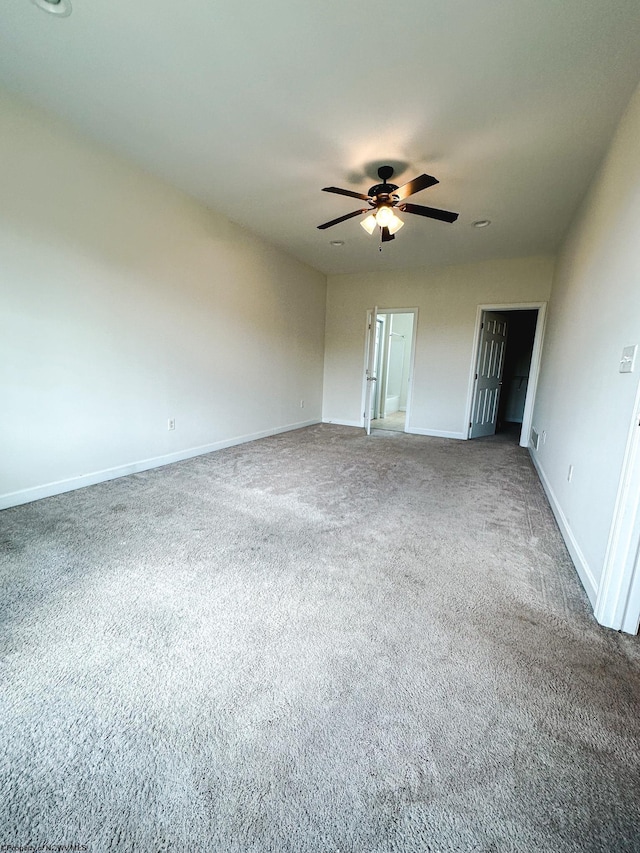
[488,379]
[370,369]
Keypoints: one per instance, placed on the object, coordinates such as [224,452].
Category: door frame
[534,368]
[414,335]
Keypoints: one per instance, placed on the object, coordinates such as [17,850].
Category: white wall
[395,364]
[124,303]
[583,403]
[447,300]
[403,324]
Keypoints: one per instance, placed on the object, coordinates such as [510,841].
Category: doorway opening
[390,354]
[505,371]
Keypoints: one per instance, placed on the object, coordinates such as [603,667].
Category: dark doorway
[517,363]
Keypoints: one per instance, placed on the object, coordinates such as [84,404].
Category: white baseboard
[436,433]
[582,567]
[59,487]
[342,423]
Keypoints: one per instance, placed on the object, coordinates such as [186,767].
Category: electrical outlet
[570,474]
[302,404]
[171,424]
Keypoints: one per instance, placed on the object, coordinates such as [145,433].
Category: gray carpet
[314,642]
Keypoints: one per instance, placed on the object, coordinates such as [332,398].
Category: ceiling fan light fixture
[369,223]
[382,199]
[62,8]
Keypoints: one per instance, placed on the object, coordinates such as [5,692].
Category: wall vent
[535,439]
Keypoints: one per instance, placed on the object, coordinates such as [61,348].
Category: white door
[488,380]
[376,391]
[370,369]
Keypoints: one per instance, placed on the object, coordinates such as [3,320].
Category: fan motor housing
[382,190]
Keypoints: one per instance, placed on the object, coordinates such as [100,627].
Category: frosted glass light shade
[395,224]
[369,223]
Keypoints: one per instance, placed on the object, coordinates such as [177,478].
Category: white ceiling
[254,106]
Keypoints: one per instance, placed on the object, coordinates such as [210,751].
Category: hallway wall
[584,404]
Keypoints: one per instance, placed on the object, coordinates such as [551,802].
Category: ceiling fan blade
[350,193]
[386,236]
[343,218]
[431,212]
[422,182]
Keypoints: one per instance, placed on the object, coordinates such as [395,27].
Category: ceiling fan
[383,198]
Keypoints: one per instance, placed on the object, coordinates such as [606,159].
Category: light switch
[628,359]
